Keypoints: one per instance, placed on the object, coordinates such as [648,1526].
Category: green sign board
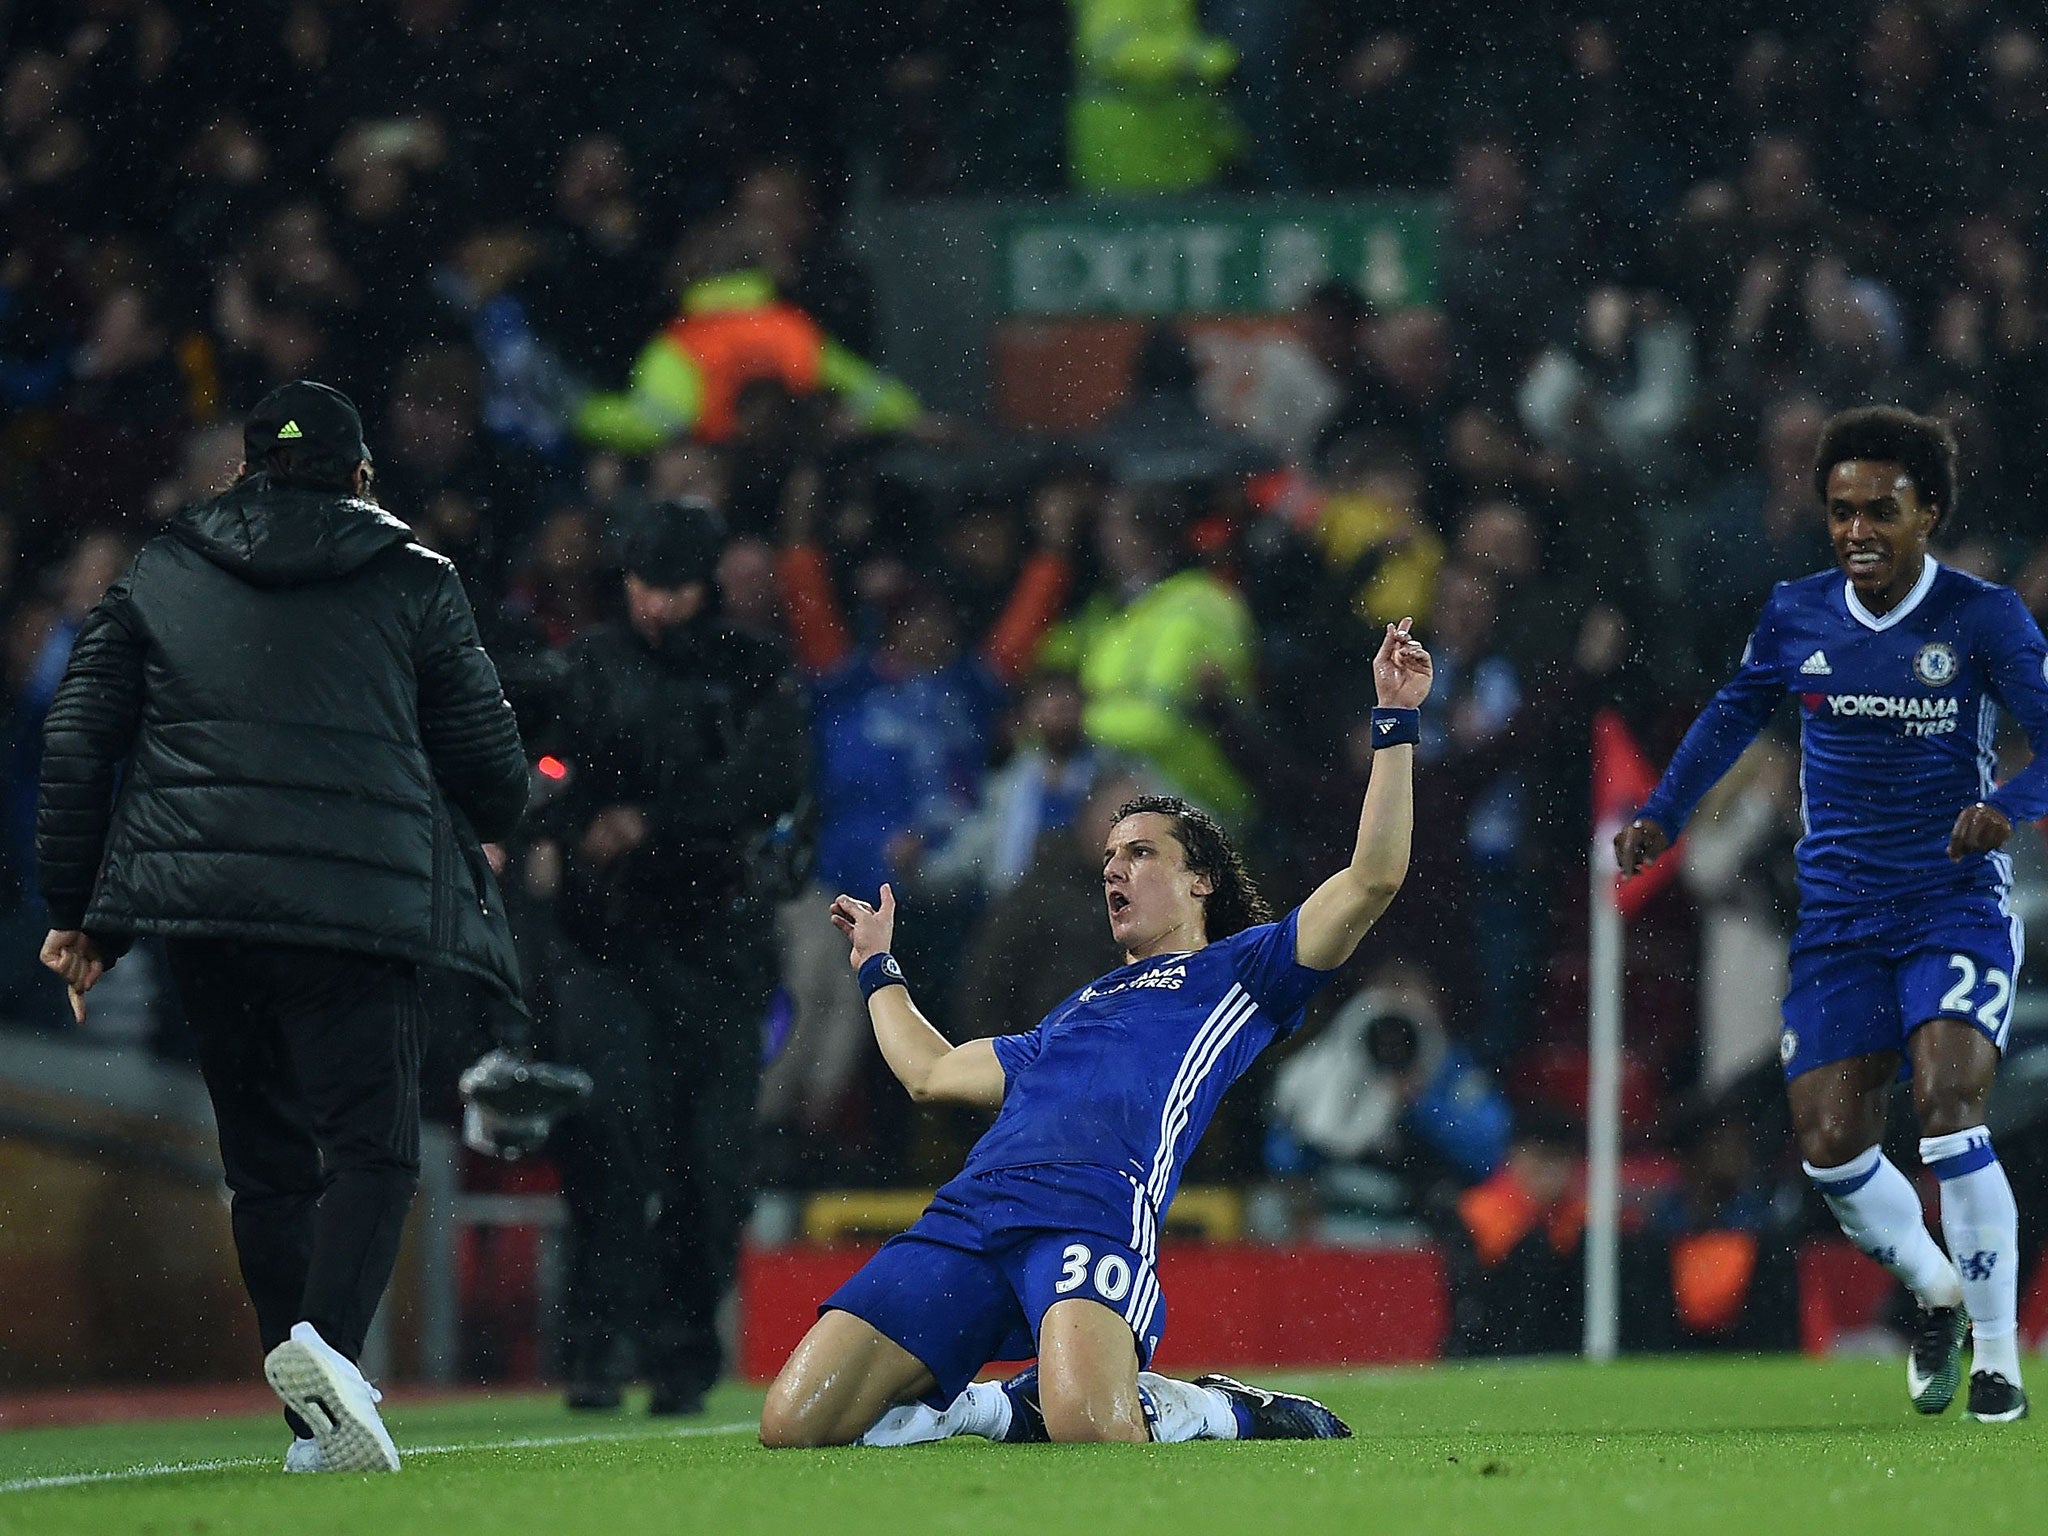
[1253,258]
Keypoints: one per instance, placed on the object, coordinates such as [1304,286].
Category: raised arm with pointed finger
[925,1062]
[1340,911]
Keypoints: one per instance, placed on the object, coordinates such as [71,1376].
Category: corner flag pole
[1603,1110]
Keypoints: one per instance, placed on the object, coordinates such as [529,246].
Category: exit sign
[1159,259]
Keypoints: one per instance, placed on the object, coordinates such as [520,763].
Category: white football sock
[1880,1214]
[981,1409]
[1982,1224]
[912,1424]
[1186,1411]
[984,1409]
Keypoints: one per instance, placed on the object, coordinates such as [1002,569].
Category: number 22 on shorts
[1956,1002]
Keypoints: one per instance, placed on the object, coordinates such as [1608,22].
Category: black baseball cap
[673,543]
[306,424]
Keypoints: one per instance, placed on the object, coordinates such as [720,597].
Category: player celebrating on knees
[1045,1244]
[1907,948]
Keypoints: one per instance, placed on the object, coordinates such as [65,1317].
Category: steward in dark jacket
[276,747]
[678,829]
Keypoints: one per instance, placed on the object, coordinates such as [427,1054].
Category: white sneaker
[304,1456]
[325,1389]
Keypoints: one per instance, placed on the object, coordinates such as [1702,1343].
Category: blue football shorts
[1959,959]
[972,1279]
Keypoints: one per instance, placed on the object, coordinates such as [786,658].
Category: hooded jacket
[280,726]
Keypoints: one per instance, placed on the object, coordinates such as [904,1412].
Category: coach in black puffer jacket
[316,742]
[276,746]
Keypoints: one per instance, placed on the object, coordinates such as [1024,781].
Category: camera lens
[1393,1041]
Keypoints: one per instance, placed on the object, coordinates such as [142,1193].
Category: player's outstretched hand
[872,929]
[1979,829]
[1637,844]
[1401,671]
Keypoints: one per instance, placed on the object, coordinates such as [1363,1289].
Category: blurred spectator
[1499,539]
[903,731]
[1369,121]
[1735,239]
[780,200]
[1733,1280]
[732,331]
[1383,1085]
[1148,113]
[205,468]
[1163,434]
[529,393]
[554,592]
[393,174]
[466,493]
[38,648]
[598,283]
[1500,272]
[1041,790]
[748,588]
[1476,793]
[1756,526]
[128,405]
[1515,1249]
[1891,116]
[1618,389]
[1047,933]
[1375,530]
[1151,645]
[1738,865]
[1405,384]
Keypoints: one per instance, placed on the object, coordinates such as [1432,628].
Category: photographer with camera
[1382,1106]
[679,824]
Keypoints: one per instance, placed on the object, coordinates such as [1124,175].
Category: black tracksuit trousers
[658,1169]
[311,1057]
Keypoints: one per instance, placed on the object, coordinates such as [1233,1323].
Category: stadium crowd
[1669,252]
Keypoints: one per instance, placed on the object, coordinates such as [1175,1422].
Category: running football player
[1907,949]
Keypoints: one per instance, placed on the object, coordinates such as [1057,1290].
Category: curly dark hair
[313,474]
[1888,434]
[1235,904]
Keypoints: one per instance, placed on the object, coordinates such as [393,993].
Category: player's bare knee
[788,1424]
[791,1431]
[1829,1140]
[1947,1107]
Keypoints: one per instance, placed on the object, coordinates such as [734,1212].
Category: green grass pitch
[1717,1447]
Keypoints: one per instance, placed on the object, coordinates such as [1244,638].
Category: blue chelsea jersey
[1898,713]
[1124,1075]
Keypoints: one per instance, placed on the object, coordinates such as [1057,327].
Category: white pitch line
[237,1463]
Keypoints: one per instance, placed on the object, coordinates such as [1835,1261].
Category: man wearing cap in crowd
[277,747]
[686,765]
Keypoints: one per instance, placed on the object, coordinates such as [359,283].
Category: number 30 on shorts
[1961,1002]
[1112,1273]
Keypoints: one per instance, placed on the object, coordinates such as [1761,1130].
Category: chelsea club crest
[1935,665]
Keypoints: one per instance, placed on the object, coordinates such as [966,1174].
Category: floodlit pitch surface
[1674,1446]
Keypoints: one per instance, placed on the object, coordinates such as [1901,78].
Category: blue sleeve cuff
[1666,822]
